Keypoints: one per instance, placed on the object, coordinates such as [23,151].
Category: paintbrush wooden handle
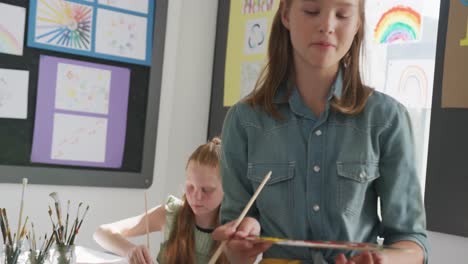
[20,218]
[147,222]
[241,217]
[2,227]
[7,227]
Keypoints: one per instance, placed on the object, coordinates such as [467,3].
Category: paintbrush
[23,230]
[75,224]
[78,213]
[66,221]
[2,227]
[50,242]
[147,222]
[28,238]
[25,182]
[34,236]
[43,244]
[58,210]
[7,227]
[241,217]
[53,224]
[70,235]
[77,229]
[83,217]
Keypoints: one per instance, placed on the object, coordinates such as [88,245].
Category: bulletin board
[242,36]
[447,169]
[32,145]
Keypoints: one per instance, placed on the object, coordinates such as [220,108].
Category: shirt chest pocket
[354,182]
[275,201]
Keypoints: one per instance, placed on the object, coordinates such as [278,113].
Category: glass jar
[10,254]
[36,257]
[63,254]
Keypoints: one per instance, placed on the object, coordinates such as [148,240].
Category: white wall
[183,124]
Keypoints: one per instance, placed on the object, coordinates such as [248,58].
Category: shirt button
[318,132]
[316,208]
[316,168]
[362,175]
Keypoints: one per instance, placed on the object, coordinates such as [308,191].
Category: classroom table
[86,255]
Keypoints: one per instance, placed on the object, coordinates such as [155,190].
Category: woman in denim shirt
[334,146]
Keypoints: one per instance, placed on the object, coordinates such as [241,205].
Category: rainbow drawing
[398,24]
[64,24]
[414,86]
[8,43]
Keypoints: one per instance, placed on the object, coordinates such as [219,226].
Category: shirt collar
[337,86]
[284,95]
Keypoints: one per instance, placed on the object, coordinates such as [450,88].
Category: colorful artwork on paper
[119,30]
[82,89]
[411,82]
[257,6]
[133,5]
[121,34]
[255,36]
[399,24]
[14,93]
[12,20]
[80,108]
[79,138]
[396,21]
[64,24]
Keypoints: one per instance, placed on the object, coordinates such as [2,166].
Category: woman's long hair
[180,246]
[280,67]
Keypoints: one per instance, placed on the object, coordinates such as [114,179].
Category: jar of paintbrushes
[10,254]
[13,249]
[38,252]
[63,252]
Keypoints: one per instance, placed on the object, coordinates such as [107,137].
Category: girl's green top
[203,240]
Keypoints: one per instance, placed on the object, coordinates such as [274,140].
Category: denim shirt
[327,173]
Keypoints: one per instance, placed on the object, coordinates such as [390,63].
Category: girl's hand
[139,255]
[239,250]
[363,258]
